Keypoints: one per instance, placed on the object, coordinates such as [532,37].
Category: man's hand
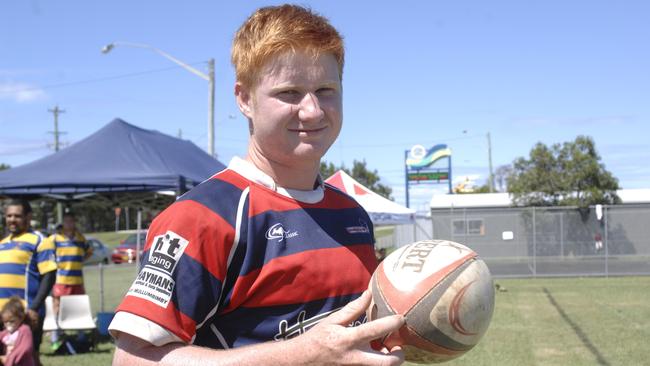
[330,342]
[333,342]
[32,316]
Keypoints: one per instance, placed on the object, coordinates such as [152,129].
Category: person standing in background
[27,267]
[71,251]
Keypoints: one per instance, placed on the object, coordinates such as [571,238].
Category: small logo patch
[362,228]
[155,282]
[166,250]
[278,231]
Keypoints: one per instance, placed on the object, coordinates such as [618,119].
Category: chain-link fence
[558,241]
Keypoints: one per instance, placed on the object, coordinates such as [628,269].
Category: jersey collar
[252,173]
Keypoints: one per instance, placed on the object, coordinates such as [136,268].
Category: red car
[126,251]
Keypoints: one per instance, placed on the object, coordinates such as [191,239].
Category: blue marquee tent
[120,157]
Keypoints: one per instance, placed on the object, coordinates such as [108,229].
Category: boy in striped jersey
[263,264]
[71,251]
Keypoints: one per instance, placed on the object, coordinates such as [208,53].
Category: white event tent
[382,211]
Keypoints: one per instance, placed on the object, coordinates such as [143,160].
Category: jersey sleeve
[45,255]
[88,249]
[179,285]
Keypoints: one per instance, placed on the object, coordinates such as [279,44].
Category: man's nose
[310,108]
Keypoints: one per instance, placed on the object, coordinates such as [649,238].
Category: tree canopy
[567,174]
[361,173]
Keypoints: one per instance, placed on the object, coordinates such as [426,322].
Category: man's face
[17,221]
[69,223]
[295,108]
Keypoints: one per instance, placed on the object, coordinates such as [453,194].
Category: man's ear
[244,99]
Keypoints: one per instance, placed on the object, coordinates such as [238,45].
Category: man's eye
[289,96]
[326,91]
[289,92]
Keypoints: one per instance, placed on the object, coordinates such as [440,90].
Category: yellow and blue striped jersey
[70,255]
[23,258]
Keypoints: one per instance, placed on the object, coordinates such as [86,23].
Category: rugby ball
[445,293]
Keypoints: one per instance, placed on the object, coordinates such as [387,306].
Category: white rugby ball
[444,291]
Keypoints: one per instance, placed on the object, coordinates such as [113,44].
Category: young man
[27,266]
[264,251]
[71,251]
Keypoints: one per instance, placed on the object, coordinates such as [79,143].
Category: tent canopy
[119,157]
[382,211]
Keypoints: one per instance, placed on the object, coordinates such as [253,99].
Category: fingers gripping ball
[445,293]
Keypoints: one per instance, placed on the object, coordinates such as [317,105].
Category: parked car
[125,252]
[100,252]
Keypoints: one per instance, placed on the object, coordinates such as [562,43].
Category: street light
[209,77]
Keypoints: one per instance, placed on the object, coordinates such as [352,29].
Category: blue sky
[417,72]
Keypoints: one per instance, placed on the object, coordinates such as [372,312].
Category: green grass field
[559,321]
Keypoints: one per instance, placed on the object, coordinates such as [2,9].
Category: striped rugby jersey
[237,261]
[70,254]
[23,258]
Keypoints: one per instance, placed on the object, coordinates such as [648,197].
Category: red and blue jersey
[238,261]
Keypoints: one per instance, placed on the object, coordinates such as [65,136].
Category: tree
[361,173]
[501,177]
[4,166]
[481,189]
[567,174]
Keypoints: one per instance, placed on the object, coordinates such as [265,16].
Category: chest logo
[278,232]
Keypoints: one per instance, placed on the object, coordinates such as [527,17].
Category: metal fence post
[561,234]
[606,244]
[451,222]
[534,244]
[465,226]
[101,287]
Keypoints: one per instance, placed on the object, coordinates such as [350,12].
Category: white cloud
[21,92]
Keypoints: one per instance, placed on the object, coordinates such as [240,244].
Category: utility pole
[491,177]
[56,111]
[209,77]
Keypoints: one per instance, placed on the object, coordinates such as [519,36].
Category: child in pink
[16,336]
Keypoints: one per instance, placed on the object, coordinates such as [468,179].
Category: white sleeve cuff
[142,328]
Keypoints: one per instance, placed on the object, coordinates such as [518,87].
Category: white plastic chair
[49,323]
[75,313]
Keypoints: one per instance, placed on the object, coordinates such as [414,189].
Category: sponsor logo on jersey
[278,232]
[155,282]
[362,228]
[166,250]
[302,325]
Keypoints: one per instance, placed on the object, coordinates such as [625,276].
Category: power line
[81,82]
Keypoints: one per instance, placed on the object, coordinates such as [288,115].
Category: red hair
[272,30]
